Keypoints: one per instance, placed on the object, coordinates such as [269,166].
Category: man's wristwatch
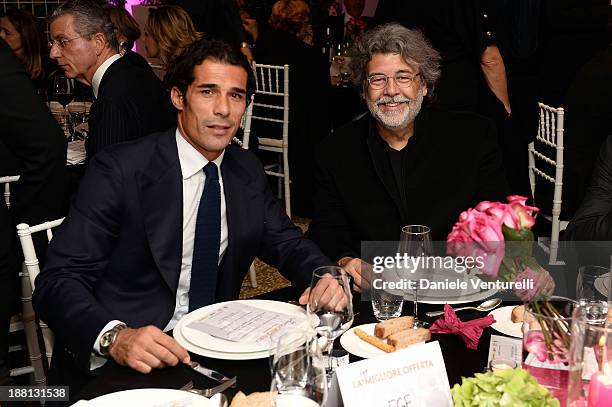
[109,337]
[245,45]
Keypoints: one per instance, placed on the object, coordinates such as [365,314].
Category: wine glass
[330,307]
[298,371]
[415,241]
[63,93]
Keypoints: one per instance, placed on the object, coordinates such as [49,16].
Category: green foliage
[507,388]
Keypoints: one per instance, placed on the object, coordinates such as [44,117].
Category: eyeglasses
[402,79]
[61,43]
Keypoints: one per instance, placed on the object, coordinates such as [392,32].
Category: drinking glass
[593,283]
[415,241]
[330,306]
[63,93]
[298,371]
[386,304]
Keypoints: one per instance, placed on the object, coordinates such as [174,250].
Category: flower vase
[590,356]
[546,343]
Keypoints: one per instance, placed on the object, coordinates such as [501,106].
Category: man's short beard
[403,118]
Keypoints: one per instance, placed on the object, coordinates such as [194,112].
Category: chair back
[32,268]
[271,103]
[7,189]
[245,125]
[546,164]
[271,110]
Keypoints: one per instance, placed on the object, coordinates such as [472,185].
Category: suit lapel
[236,180]
[161,192]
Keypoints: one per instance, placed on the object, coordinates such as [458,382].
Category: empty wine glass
[298,371]
[415,241]
[330,306]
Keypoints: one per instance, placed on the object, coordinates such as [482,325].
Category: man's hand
[248,54]
[328,294]
[353,267]
[147,348]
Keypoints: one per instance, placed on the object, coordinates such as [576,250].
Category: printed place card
[411,377]
[506,348]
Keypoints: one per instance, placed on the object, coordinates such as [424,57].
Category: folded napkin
[469,331]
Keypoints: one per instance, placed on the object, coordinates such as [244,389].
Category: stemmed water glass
[330,307]
[298,371]
[415,241]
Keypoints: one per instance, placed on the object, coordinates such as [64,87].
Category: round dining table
[254,375]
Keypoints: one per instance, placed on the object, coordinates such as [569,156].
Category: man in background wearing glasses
[405,162]
[129,100]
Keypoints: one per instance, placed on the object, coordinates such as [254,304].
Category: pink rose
[478,235]
[523,212]
[503,213]
[535,343]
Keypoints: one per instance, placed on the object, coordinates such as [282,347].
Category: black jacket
[593,219]
[131,103]
[451,163]
[33,142]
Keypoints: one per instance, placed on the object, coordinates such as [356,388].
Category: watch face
[106,339]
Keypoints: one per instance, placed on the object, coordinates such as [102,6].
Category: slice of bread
[391,326]
[373,340]
[257,399]
[405,338]
[518,314]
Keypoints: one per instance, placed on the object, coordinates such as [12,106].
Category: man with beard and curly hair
[404,163]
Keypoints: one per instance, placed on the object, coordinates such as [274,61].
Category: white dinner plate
[441,295]
[602,284]
[463,299]
[438,279]
[503,322]
[205,345]
[357,346]
[150,398]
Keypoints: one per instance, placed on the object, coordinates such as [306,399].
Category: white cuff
[96,360]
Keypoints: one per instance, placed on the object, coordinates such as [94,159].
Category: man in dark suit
[132,249]
[32,138]
[219,20]
[593,219]
[400,165]
[130,101]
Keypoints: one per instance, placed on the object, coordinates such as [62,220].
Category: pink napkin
[469,331]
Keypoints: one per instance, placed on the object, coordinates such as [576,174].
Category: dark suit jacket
[216,19]
[118,254]
[452,163]
[131,103]
[593,219]
[31,138]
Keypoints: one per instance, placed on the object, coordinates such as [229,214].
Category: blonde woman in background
[168,32]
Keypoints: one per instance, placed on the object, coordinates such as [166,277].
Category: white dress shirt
[192,164]
[97,78]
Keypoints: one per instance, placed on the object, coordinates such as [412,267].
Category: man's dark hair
[90,17]
[181,72]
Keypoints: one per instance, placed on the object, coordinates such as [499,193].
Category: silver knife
[211,374]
